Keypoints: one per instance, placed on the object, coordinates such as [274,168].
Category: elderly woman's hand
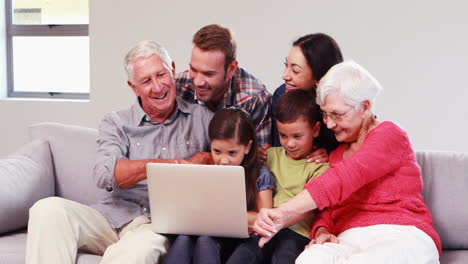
[323,236]
[268,223]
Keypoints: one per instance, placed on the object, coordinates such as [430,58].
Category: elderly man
[156,128]
[215,80]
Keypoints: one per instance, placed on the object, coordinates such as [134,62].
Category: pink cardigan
[380,184]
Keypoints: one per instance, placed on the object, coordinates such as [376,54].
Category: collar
[139,116]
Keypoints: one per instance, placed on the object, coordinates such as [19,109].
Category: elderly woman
[370,202]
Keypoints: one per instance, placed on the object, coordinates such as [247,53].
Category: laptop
[197,199]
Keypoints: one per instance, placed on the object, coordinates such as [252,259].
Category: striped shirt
[245,92]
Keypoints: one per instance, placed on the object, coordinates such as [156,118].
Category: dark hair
[216,37]
[297,104]
[236,124]
[321,52]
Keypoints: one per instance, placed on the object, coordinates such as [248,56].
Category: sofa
[58,160]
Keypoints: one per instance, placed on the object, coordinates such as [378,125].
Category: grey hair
[146,48]
[351,82]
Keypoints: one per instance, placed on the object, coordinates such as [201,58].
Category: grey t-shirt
[131,134]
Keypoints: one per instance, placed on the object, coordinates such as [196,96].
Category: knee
[155,244]
[206,241]
[47,207]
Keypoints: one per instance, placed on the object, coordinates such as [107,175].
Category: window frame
[60,30]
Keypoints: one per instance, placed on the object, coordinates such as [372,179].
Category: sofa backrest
[445,176]
[73,150]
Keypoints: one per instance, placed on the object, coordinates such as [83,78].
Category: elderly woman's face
[345,121]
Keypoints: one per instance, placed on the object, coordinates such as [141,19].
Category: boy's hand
[319,156]
[262,152]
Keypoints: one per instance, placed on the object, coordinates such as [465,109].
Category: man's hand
[201,158]
[268,223]
[262,152]
[319,156]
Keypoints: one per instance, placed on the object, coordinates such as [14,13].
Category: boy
[298,124]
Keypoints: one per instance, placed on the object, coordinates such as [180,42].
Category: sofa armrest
[26,177]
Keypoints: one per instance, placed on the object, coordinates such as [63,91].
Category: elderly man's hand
[201,158]
[268,223]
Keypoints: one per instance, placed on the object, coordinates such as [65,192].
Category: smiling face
[154,84]
[297,137]
[228,151]
[208,74]
[348,127]
[297,72]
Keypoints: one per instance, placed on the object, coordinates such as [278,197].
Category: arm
[382,152]
[264,200]
[129,172]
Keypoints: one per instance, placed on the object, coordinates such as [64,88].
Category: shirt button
[164,149]
[138,143]
[145,210]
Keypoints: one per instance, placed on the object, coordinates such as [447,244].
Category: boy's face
[297,137]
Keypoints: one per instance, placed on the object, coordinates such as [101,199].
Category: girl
[233,142]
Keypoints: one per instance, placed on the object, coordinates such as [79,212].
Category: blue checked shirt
[246,92]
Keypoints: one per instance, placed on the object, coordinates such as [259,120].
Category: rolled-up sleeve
[112,146]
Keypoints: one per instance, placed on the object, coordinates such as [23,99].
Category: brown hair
[297,104]
[216,37]
[236,124]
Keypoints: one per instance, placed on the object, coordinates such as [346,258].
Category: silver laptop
[197,199]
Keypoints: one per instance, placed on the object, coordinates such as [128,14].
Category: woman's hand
[268,223]
[319,156]
[323,236]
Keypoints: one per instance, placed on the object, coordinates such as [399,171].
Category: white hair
[351,82]
[146,48]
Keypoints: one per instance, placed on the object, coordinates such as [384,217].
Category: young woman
[309,58]
[233,142]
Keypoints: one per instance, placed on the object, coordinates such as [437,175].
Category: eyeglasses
[334,116]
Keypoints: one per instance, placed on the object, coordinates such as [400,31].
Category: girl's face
[228,151]
[297,72]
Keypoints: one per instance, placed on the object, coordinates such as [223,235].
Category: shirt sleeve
[265,180]
[382,152]
[260,113]
[112,146]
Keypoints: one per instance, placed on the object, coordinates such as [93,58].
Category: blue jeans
[195,249]
[284,247]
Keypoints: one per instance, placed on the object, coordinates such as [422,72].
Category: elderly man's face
[154,83]
[345,121]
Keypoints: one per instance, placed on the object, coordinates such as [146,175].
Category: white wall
[416,49]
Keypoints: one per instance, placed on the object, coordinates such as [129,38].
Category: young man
[298,124]
[215,80]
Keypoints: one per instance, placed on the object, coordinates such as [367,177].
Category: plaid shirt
[246,92]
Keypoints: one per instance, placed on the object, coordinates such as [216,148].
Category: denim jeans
[199,249]
[284,247]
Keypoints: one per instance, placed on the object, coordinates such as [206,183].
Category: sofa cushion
[73,151]
[26,177]
[445,176]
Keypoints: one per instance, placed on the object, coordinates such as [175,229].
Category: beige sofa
[59,158]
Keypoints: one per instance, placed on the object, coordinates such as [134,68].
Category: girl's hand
[319,156]
[323,236]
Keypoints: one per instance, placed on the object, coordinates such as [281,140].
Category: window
[47,48]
